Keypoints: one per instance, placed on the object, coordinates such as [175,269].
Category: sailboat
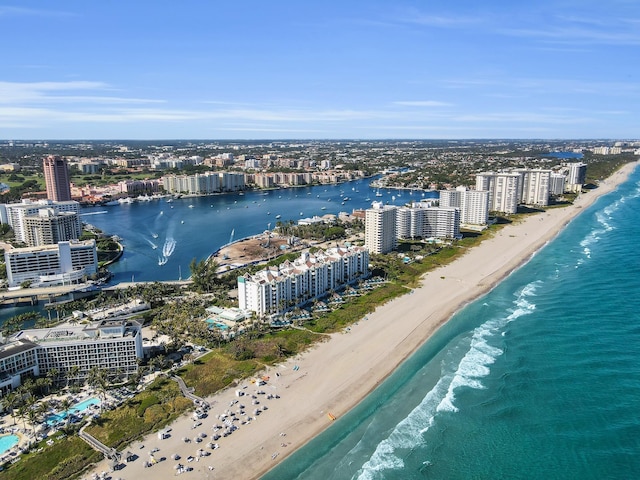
[378,194]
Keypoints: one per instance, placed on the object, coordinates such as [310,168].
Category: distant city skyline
[319,70]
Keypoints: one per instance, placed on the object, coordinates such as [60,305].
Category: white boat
[112,203]
[191,206]
[125,200]
[323,208]
[278,216]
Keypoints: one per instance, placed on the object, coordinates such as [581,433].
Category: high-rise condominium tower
[56,177]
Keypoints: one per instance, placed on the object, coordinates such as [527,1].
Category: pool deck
[29,435]
[25,431]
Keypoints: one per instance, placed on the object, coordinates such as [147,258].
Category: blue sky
[372,69]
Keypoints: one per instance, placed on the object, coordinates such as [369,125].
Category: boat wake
[167,250]
[101,212]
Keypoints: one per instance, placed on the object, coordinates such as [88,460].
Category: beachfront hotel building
[473,204]
[114,345]
[280,288]
[380,228]
[56,178]
[503,190]
[15,214]
[18,361]
[48,265]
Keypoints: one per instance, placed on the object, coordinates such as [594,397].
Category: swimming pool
[7,442]
[80,407]
[215,324]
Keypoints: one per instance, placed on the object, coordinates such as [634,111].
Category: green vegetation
[66,457]
[217,370]
[600,167]
[19,185]
[356,309]
[203,275]
[160,404]
[319,231]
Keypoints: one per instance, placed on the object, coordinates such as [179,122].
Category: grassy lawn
[66,457]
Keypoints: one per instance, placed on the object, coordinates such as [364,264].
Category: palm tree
[41,409]
[10,401]
[159,362]
[65,404]
[42,385]
[72,373]
[32,415]
[53,375]
[98,379]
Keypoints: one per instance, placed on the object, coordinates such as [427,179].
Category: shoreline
[332,377]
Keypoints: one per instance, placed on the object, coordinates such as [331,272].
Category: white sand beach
[334,376]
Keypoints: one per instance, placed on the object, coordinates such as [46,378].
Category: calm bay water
[161,238]
[539,379]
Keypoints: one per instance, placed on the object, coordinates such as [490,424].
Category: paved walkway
[187,392]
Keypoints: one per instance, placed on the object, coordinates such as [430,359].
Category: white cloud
[422,103]
[7,10]
[61,92]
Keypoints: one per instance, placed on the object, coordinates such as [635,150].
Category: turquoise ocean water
[539,379]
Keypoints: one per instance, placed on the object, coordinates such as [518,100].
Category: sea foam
[473,366]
